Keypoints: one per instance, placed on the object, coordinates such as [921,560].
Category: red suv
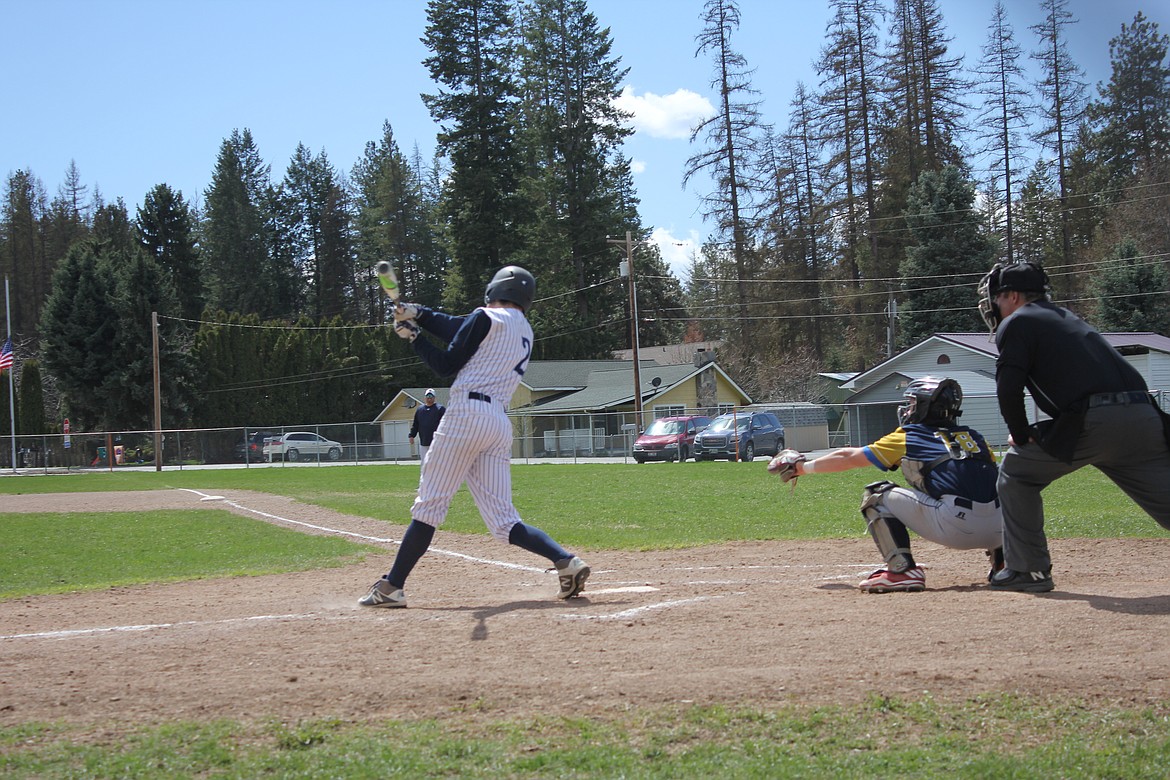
[669,438]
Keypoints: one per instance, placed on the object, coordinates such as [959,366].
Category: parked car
[301,445]
[742,434]
[251,448]
[669,438]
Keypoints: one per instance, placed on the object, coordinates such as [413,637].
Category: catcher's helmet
[511,283]
[931,400]
[1018,277]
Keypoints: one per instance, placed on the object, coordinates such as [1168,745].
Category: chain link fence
[557,437]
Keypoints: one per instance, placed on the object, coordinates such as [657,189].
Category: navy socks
[534,540]
[415,542]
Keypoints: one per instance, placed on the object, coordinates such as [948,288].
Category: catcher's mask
[514,284]
[1022,277]
[932,400]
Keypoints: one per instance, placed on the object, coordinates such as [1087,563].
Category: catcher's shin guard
[891,537]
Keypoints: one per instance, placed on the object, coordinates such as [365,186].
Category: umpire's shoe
[572,573]
[1023,581]
[383,594]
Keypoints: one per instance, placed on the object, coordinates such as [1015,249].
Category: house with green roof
[583,407]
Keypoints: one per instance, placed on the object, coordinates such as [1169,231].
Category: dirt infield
[744,623]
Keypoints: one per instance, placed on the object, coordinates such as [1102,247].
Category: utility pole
[627,270]
[157,395]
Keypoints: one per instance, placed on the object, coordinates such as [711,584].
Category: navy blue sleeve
[445,326]
[463,345]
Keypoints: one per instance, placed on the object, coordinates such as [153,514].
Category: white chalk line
[76,632]
[626,614]
[364,537]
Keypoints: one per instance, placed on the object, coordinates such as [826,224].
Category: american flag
[6,355]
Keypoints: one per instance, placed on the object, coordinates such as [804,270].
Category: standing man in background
[426,422]
[1102,415]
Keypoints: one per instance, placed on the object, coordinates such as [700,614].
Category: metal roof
[980,342]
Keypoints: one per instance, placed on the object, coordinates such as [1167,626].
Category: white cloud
[665,116]
[637,166]
[677,252]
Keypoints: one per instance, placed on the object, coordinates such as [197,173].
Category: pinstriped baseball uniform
[474,441]
[487,352]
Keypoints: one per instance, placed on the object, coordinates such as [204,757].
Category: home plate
[626,589]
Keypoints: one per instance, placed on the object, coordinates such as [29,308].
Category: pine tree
[166,232]
[941,270]
[1004,115]
[1039,234]
[732,134]
[1062,102]
[393,221]
[31,396]
[237,231]
[849,107]
[472,53]
[1130,292]
[575,181]
[318,232]
[77,332]
[22,255]
[1133,112]
[111,227]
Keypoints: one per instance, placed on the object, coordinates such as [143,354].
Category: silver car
[299,445]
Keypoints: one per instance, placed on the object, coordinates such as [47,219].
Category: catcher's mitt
[784,464]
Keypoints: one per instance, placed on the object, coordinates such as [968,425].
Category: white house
[970,358]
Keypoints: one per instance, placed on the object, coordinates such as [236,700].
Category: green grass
[610,506]
[622,506]
[52,553]
[1003,736]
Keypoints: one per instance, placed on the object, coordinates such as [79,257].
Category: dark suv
[669,438]
[251,448]
[740,435]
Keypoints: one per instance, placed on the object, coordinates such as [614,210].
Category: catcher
[952,473]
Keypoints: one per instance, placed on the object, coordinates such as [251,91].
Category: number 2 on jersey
[522,366]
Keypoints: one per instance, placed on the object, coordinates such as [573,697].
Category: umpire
[1102,415]
[426,422]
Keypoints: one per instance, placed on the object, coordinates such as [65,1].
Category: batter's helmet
[511,283]
[932,400]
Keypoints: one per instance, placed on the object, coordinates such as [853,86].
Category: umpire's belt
[474,396]
[967,503]
[1119,399]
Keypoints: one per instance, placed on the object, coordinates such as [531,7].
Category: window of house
[944,360]
[669,410]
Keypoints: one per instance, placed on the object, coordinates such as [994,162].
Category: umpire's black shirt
[1059,358]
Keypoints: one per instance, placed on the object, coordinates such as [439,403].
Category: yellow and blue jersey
[939,461]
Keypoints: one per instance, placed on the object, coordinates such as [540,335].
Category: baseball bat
[388,279]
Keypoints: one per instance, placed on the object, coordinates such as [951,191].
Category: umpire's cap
[1020,277]
[512,283]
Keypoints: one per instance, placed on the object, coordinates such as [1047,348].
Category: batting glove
[405,311]
[407,329]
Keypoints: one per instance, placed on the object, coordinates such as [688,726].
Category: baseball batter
[952,497]
[488,352]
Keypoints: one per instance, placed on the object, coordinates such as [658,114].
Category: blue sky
[142,92]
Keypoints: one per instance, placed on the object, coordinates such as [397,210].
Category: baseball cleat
[572,577]
[885,581]
[1023,581]
[383,594]
[996,558]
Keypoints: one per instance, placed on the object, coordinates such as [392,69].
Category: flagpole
[11,371]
